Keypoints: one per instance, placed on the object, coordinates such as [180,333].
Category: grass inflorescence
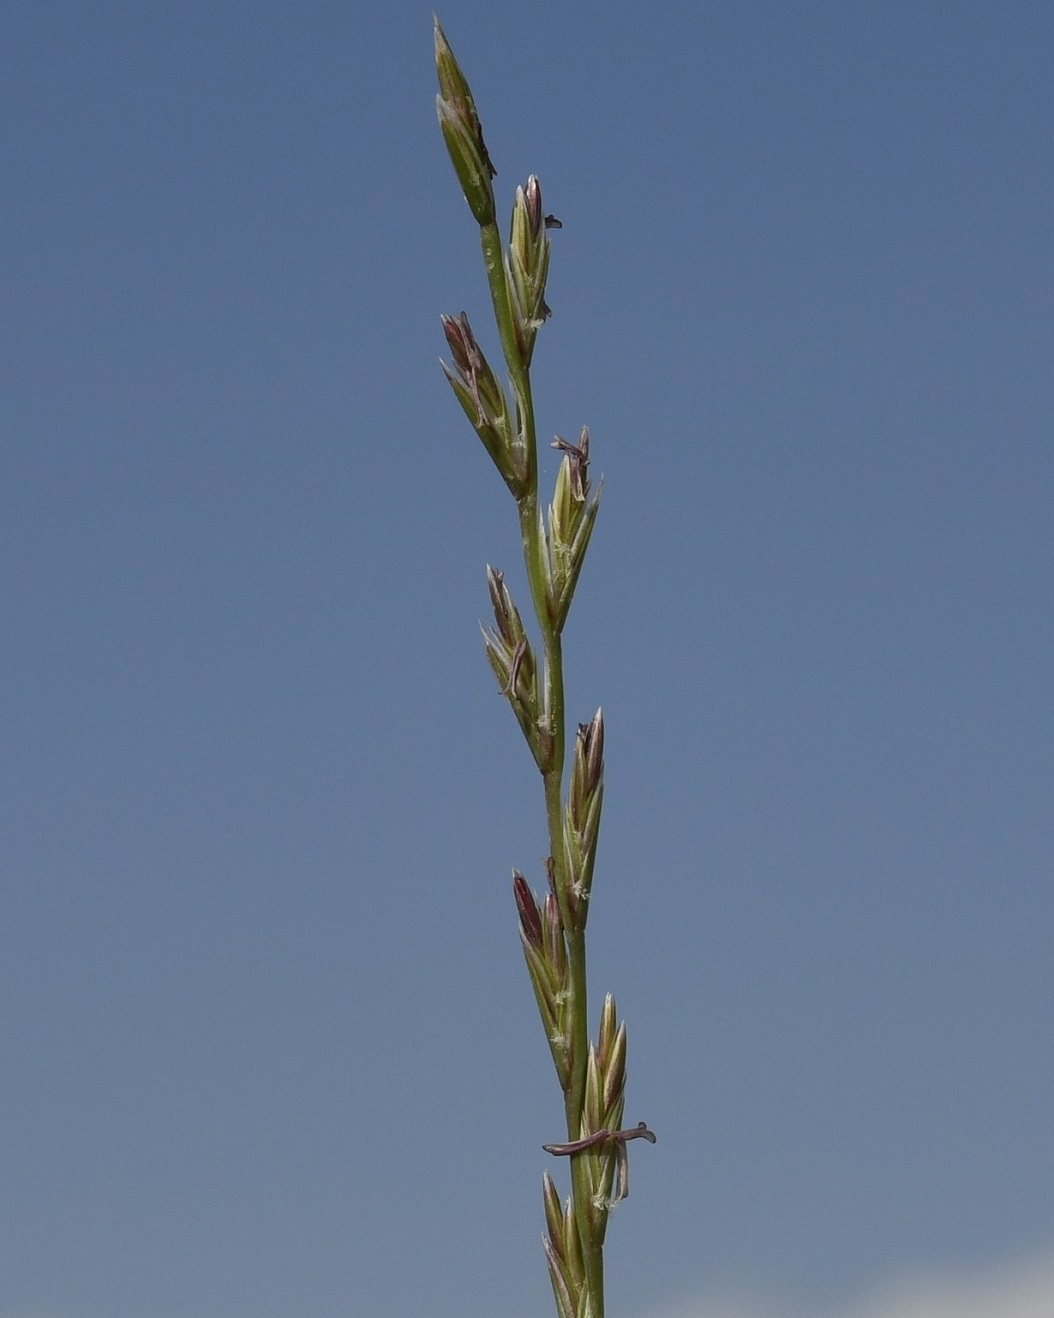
[530,675]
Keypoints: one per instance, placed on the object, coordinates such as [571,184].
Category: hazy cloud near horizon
[1023,1289]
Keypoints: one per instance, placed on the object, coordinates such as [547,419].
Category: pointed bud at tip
[533,199]
[594,748]
[530,918]
[608,1026]
[463,133]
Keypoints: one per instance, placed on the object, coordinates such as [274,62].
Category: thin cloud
[1024,1289]
[1021,1290]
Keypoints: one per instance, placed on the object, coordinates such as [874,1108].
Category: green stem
[494,261]
[578,1004]
[532,538]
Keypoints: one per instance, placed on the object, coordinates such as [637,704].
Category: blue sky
[269,1048]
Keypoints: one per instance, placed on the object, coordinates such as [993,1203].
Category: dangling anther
[618,1137]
